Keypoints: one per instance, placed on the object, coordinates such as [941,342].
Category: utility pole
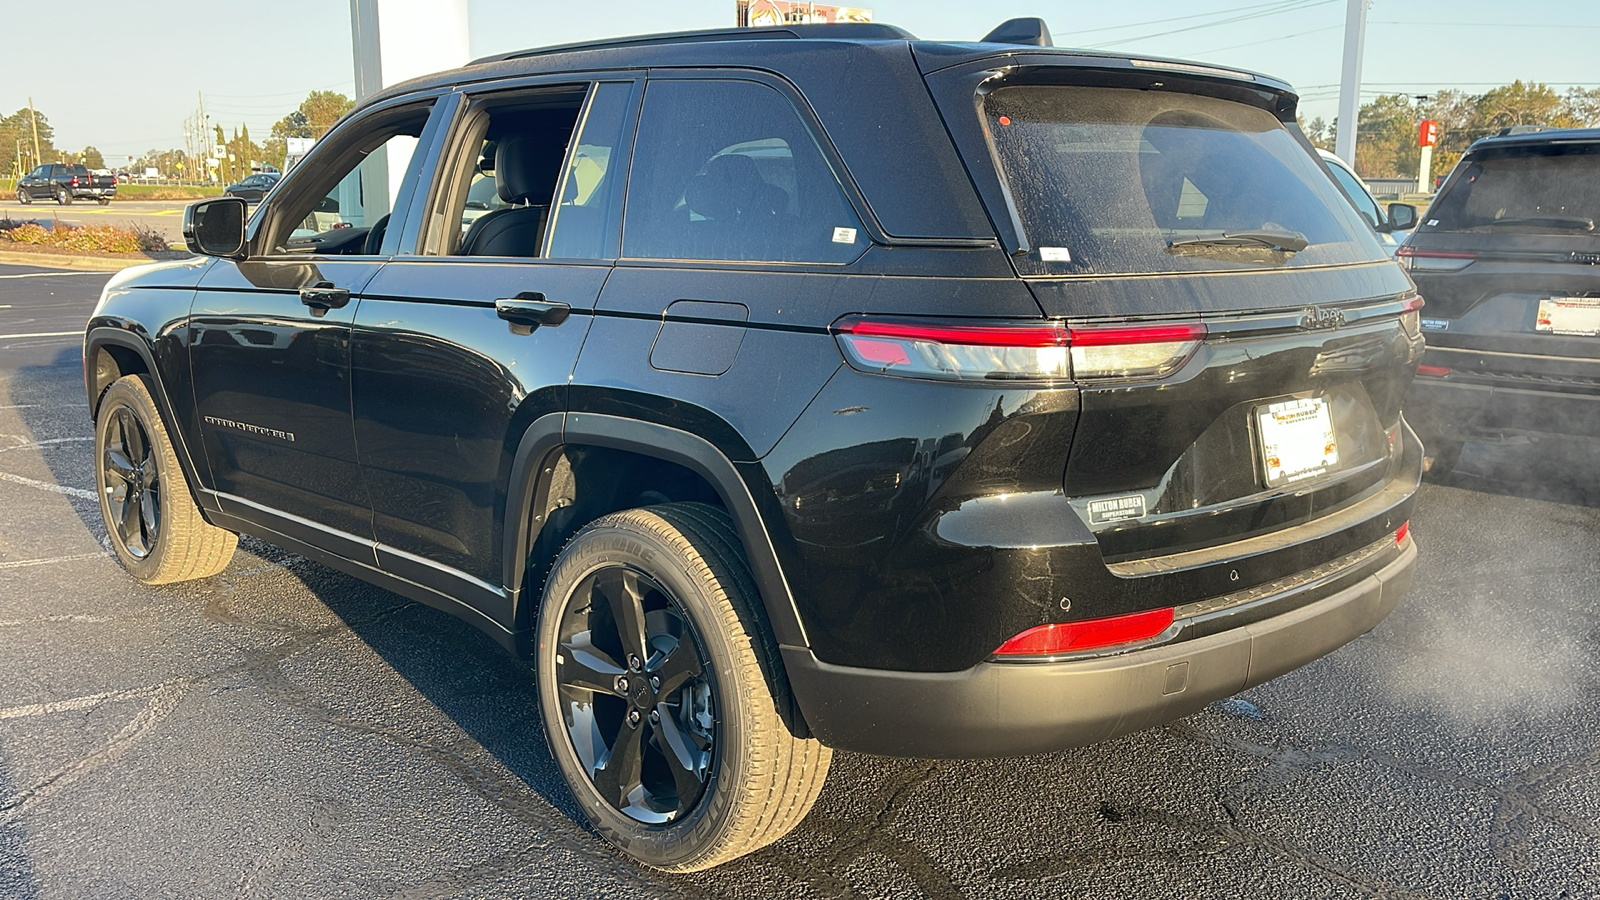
[34,122]
[1355,38]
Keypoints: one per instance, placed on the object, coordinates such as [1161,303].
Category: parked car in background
[65,183]
[1385,223]
[252,189]
[994,400]
[1508,258]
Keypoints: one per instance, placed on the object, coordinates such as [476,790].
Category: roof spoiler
[1029,30]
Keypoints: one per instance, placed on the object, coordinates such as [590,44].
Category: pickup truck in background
[65,183]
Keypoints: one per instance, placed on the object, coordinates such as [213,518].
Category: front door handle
[529,309]
[323,296]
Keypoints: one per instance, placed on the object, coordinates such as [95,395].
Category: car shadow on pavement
[1553,468]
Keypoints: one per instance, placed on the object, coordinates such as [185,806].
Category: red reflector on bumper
[1090,634]
[1401,532]
[1432,371]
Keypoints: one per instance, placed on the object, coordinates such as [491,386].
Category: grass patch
[83,238]
[166,192]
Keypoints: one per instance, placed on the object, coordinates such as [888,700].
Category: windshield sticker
[1116,509]
[1055,254]
[844,235]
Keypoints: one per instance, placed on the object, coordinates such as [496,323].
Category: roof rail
[1521,129]
[845,31]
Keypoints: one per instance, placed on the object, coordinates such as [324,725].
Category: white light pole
[1355,37]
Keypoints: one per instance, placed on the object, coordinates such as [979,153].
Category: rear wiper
[1573,223]
[1286,241]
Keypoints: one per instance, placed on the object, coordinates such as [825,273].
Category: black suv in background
[814,387]
[1509,260]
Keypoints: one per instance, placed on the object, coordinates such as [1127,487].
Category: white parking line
[47,486]
[23,563]
[46,275]
[4,337]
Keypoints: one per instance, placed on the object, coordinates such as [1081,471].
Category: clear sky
[255,61]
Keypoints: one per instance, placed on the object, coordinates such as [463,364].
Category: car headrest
[486,161]
[526,168]
[731,187]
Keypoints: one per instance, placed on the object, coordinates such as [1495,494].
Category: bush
[102,238]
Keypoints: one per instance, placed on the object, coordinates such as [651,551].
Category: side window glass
[727,170]
[500,200]
[583,220]
[1357,193]
[365,194]
[342,204]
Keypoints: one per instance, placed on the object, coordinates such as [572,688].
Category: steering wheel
[374,242]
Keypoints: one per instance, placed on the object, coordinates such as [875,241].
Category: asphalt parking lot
[285,730]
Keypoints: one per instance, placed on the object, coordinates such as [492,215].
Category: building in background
[773,13]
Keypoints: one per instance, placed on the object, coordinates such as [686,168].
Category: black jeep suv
[811,388]
[1509,260]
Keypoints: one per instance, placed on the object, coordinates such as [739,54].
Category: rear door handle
[529,309]
[323,296]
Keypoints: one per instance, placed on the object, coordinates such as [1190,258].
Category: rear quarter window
[1105,180]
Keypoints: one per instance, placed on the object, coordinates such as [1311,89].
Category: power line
[1200,53]
[1279,9]
[1170,19]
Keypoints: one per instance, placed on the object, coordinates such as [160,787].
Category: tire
[24,197]
[63,197]
[742,779]
[137,476]
[1440,457]
[105,201]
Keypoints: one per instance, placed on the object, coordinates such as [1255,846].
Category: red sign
[1428,135]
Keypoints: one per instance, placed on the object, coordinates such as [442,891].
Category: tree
[314,117]
[16,141]
[1318,133]
[1522,104]
[92,158]
[1583,106]
[1386,144]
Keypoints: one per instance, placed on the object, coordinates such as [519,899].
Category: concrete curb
[58,261]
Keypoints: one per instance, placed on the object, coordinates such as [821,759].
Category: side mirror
[1402,217]
[215,227]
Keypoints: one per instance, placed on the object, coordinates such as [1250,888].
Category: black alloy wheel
[133,484]
[156,531]
[661,700]
[639,702]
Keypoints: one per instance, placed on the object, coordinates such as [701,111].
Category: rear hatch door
[1138,196]
[1508,258]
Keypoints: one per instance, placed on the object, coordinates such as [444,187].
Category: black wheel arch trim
[96,338]
[528,488]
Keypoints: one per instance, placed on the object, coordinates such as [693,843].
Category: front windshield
[1121,181]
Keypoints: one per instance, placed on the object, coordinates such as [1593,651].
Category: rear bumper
[1445,409]
[1009,709]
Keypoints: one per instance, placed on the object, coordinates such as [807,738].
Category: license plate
[1297,440]
[1569,315]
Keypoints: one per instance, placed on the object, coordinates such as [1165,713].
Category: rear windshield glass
[1121,181]
[1551,188]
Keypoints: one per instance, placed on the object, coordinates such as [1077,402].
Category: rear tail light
[995,351]
[1432,371]
[1411,316]
[1402,532]
[74,181]
[1090,634]
[1434,260]
[1138,351]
